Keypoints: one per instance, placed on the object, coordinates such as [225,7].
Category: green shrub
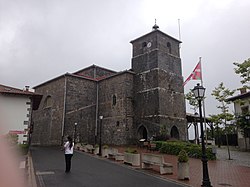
[24,148]
[193,150]
[131,150]
[105,147]
[183,156]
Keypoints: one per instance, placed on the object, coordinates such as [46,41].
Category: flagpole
[179,25]
[203,103]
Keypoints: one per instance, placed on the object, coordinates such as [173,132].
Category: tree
[193,102]
[243,69]
[215,119]
[221,94]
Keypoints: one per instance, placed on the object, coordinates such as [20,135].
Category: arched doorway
[142,133]
[174,132]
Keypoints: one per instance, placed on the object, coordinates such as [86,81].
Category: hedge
[174,147]
[24,148]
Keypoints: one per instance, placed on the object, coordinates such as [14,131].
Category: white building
[242,108]
[16,111]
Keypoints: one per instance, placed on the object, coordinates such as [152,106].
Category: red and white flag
[195,75]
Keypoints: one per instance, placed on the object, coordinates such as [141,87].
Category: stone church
[145,101]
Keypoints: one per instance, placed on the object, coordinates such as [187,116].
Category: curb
[31,174]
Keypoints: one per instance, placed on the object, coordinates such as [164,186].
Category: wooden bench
[151,159]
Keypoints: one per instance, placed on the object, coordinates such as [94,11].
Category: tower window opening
[47,102]
[144,44]
[169,47]
[114,100]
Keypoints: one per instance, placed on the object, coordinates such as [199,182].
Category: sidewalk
[222,172]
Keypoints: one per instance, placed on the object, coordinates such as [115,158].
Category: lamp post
[196,131]
[100,135]
[75,133]
[199,92]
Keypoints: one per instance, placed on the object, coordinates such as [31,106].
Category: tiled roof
[10,90]
[241,96]
[7,90]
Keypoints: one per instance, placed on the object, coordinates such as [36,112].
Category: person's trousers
[68,162]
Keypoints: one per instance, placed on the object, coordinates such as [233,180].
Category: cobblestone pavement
[222,172]
[237,157]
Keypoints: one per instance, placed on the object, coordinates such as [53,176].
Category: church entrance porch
[142,133]
[175,133]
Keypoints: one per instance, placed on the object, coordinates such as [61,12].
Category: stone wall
[95,72]
[168,44]
[80,109]
[48,120]
[159,92]
[116,107]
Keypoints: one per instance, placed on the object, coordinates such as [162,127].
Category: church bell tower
[158,85]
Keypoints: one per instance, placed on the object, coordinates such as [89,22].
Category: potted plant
[183,165]
[131,156]
[96,149]
[105,151]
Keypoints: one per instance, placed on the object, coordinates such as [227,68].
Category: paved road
[87,171]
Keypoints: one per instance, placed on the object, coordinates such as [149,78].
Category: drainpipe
[96,110]
[64,108]
[96,113]
[30,125]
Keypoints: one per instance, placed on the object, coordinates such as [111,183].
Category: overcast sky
[42,39]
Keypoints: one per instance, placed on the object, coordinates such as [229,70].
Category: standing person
[68,151]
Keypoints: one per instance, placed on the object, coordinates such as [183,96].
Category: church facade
[145,101]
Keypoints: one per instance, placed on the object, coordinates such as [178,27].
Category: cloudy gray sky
[41,39]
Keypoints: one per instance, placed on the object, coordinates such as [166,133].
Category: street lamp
[100,136]
[75,133]
[196,131]
[199,92]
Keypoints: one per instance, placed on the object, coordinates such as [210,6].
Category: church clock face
[149,45]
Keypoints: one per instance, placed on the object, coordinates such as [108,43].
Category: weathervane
[155,27]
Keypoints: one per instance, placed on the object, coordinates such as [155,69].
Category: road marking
[45,172]
[40,181]
[40,178]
